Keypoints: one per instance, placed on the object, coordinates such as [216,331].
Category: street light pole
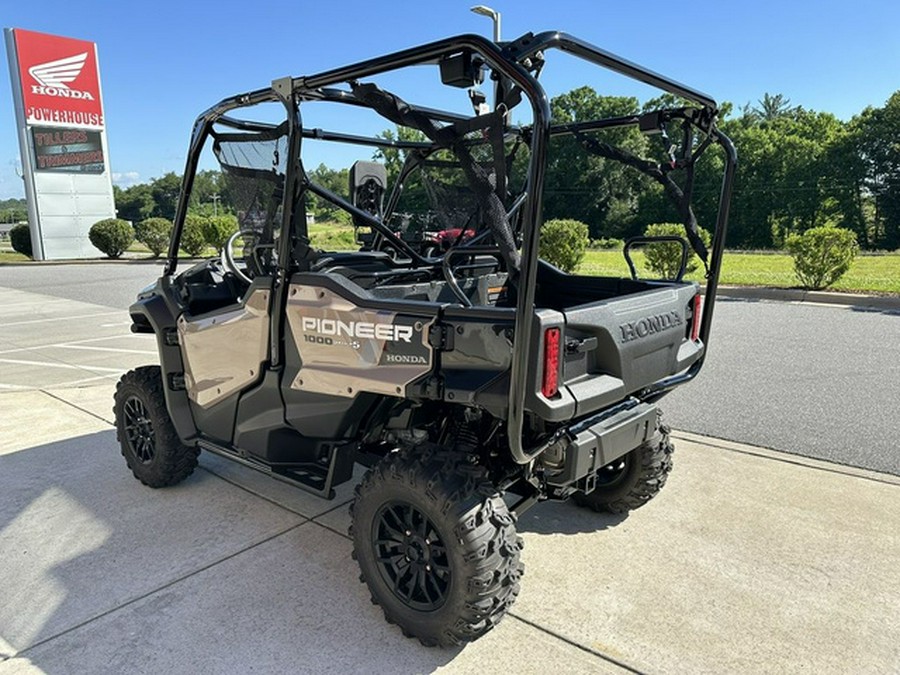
[215,200]
[494,16]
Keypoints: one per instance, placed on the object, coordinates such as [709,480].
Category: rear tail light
[550,381]
[695,319]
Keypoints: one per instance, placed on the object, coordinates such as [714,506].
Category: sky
[163,62]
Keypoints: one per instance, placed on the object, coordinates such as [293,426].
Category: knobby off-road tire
[633,480]
[149,443]
[436,544]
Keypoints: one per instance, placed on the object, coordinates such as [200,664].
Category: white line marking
[108,349]
[58,319]
[85,380]
[68,366]
[67,344]
[13,386]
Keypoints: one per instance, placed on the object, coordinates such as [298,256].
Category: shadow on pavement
[566,518]
[101,574]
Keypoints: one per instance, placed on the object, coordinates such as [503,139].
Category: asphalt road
[814,380]
[821,381]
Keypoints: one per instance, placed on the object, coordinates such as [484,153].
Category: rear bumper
[595,442]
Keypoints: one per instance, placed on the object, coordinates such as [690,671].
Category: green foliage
[822,255]
[193,241]
[20,238]
[874,135]
[112,236]
[605,243]
[664,258]
[165,191]
[563,243]
[338,182]
[154,233]
[217,229]
[134,203]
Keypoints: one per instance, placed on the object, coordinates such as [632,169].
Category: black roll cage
[513,63]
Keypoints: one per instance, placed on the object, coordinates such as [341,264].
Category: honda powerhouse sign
[60,82]
[59,112]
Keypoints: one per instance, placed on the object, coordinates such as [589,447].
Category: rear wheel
[149,443]
[632,480]
[436,545]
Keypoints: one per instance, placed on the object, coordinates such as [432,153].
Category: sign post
[62,140]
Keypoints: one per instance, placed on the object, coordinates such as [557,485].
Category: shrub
[20,238]
[563,243]
[608,243]
[664,258]
[193,242]
[112,236]
[822,255]
[217,229]
[154,233]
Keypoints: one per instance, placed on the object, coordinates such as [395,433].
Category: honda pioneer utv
[473,381]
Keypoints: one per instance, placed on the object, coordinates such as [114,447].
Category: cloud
[126,179]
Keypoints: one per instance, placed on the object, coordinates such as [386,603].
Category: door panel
[223,351]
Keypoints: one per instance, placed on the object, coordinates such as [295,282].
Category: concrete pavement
[749,561]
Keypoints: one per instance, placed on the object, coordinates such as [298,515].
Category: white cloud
[126,179]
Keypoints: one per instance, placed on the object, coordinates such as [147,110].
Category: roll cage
[516,67]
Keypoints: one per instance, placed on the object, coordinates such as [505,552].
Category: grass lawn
[870,273]
[878,273]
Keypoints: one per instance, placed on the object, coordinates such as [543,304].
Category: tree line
[798,169]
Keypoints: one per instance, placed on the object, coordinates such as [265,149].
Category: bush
[822,255]
[664,258]
[563,243]
[154,233]
[607,243]
[112,236]
[217,229]
[20,238]
[193,241]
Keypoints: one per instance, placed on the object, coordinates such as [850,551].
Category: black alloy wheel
[411,556]
[147,438]
[139,429]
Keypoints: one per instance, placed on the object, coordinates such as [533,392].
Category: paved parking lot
[49,342]
[749,561]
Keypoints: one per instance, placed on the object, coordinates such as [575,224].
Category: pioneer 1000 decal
[345,349]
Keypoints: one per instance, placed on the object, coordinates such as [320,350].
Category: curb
[858,300]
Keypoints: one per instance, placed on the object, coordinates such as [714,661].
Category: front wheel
[436,544]
[150,445]
[632,480]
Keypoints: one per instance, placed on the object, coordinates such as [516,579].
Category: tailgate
[613,348]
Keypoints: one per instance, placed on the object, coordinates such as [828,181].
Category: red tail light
[550,381]
[695,319]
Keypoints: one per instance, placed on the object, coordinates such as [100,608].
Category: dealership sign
[62,140]
[67,150]
[59,79]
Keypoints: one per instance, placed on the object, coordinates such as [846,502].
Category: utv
[473,382]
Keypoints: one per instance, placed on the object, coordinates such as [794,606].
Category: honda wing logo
[54,77]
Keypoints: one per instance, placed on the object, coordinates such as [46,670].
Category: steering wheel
[228,259]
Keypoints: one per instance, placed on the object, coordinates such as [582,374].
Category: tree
[207,194]
[773,107]
[875,132]
[134,203]
[593,189]
[335,180]
[165,191]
